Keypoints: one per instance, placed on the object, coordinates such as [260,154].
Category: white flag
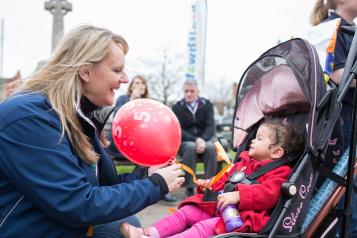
[196,44]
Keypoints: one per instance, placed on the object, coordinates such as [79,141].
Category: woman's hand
[152,169]
[173,176]
[227,198]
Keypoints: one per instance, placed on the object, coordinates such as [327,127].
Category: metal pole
[351,162]
[349,74]
[204,44]
[1,59]
[1,47]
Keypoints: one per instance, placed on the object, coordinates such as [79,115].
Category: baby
[255,201]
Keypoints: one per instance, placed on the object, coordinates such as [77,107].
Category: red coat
[256,200]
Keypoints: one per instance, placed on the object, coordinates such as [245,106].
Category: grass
[124,168]
[200,167]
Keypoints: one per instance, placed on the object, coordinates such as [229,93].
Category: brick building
[8,85]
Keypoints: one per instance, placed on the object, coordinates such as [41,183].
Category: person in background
[196,118]
[56,180]
[346,10]
[326,10]
[138,88]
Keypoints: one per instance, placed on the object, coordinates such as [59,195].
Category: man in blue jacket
[196,118]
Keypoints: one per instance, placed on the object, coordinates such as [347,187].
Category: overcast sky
[237,31]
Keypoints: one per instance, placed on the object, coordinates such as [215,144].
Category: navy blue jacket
[342,47]
[46,190]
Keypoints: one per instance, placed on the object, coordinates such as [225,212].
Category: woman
[55,178]
[326,10]
[138,88]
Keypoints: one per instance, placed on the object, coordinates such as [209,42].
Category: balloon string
[220,174]
[188,170]
[221,155]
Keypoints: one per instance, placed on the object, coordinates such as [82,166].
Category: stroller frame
[336,95]
[349,74]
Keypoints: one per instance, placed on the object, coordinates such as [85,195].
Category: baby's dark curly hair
[286,137]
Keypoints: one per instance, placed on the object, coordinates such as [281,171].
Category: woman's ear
[84,72]
[277,153]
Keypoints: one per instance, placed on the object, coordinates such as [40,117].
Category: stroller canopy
[286,79]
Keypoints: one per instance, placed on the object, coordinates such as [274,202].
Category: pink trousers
[188,221]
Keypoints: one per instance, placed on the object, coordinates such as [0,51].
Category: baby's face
[259,148]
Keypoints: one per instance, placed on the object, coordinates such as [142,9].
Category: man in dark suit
[196,118]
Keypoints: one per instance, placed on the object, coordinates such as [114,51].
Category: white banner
[196,43]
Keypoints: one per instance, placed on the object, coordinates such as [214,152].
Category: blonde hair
[320,11]
[58,79]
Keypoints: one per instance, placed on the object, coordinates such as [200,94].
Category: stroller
[287,83]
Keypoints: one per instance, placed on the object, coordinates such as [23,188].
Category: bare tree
[220,94]
[165,73]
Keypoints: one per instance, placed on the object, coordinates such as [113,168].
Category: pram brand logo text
[290,221]
[303,191]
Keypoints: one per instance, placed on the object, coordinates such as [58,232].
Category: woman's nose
[124,79]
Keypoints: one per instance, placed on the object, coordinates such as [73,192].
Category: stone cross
[58,8]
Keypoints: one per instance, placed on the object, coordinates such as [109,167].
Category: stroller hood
[286,79]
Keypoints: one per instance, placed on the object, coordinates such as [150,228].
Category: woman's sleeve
[49,175]
[265,195]
[128,177]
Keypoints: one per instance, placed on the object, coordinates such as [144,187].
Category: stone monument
[58,8]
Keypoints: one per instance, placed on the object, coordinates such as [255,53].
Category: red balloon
[146,132]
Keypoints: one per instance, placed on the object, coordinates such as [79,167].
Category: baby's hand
[227,198]
[203,183]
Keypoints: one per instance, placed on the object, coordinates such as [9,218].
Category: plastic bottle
[231,217]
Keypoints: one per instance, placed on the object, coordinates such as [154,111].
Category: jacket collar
[98,116]
[87,107]
[201,101]
[334,15]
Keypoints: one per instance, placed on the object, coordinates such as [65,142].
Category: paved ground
[160,209]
